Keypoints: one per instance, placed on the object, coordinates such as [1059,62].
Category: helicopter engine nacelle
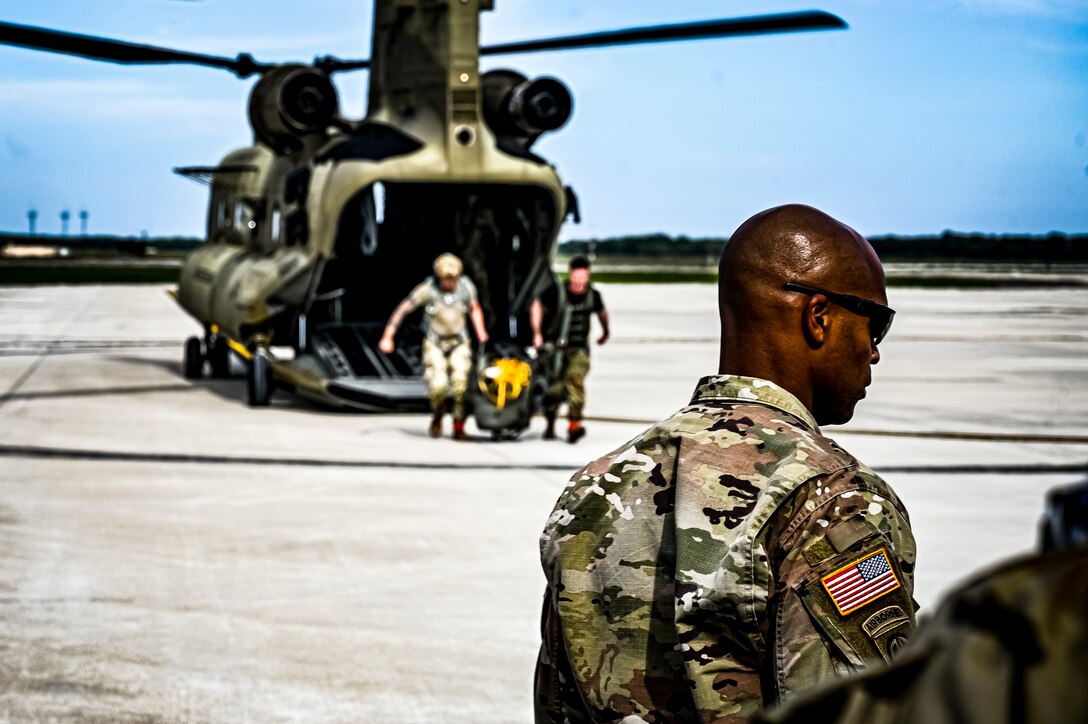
[519,108]
[291,102]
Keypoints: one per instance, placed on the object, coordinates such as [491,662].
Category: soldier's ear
[816,320]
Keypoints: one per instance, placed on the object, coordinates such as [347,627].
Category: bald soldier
[731,555]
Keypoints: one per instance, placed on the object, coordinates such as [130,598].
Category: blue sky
[969,115]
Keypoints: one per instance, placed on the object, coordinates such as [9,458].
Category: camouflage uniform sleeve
[608,640]
[715,589]
[844,578]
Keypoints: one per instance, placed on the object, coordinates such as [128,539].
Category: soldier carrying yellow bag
[447,298]
[570,307]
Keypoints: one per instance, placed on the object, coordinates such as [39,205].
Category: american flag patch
[864,580]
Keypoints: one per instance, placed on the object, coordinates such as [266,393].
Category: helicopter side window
[297,186]
[220,215]
[245,219]
[276,225]
[239,216]
[297,228]
[371,214]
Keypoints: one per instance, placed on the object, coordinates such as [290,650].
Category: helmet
[447,265]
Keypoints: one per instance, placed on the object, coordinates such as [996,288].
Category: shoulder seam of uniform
[697,399]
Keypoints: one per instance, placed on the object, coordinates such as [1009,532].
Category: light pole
[83,216]
[32,217]
[64,216]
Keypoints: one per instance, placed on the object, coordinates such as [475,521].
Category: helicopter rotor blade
[329,64]
[703,29]
[119,51]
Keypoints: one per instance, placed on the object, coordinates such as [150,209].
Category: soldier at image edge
[1009,644]
[732,556]
[447,298]
[571,307]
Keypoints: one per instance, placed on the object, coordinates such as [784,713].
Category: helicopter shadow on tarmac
[230,388]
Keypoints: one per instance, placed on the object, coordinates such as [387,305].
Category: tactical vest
[444,316]
[576,318]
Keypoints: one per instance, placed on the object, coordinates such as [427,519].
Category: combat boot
[436,425]
[549,429]
[575,431]
[459,430]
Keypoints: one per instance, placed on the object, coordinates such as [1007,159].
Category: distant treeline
[126,245]
[949,246]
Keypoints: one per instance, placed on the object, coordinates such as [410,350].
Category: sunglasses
[880,317]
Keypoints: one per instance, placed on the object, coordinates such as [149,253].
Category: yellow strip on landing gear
[504,379]
[239,348]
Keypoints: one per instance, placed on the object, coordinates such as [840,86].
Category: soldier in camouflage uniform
[571,307]
[447,299]
[732,555]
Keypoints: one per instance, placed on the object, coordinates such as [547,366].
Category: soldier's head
[447,270]
[803,304]
[579,274]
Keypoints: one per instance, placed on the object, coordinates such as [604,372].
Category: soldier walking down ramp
[731,555]
[446,298]
[571,307]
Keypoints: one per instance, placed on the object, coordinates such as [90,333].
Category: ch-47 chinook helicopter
[318,229]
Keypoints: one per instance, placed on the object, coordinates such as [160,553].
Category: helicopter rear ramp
[342,366]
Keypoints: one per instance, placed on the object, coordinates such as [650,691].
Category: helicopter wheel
[259,380]
[219,356]
[193,362]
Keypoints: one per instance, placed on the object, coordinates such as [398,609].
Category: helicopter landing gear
[259,379]
[218,355]
[193,362]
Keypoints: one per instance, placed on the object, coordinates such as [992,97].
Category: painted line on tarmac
[950,337]
[47,453]
[28,348]
[924,434]
[103,392]
[199,459]
[1021,469]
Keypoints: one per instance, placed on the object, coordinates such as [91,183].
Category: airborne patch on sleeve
[860,582]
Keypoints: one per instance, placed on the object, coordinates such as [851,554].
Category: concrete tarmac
[170,555]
